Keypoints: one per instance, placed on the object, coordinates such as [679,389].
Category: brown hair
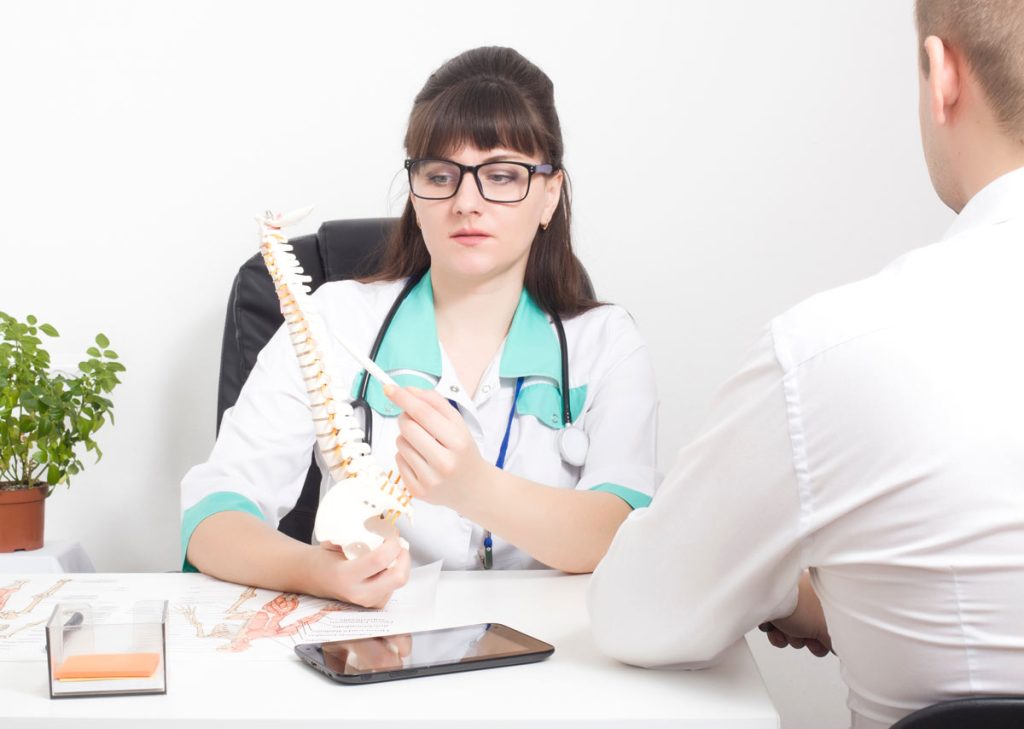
[990,36]
[488,98]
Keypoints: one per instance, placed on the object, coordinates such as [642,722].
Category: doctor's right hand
[367,581]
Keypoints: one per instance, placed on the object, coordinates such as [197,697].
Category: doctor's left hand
[437,456]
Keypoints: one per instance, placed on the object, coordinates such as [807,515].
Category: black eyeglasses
[501,182]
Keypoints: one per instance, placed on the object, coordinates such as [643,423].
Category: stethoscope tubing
[360,403]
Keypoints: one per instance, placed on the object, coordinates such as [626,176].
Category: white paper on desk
[206,617]
[26,603]
[212,617]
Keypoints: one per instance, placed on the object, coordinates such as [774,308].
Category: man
[860,484]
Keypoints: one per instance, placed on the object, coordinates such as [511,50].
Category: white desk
[52,557]
[577,687]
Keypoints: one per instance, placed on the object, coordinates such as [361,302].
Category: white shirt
[262,452]
[875,436]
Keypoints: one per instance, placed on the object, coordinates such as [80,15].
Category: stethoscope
[573,443]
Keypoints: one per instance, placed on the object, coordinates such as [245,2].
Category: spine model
[362,506]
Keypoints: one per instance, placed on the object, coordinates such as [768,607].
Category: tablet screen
[466,644]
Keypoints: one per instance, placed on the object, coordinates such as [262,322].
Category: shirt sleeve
[719,549]
[622,420]
[262,454]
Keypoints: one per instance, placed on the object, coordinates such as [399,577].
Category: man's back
[908,400]
[876,437]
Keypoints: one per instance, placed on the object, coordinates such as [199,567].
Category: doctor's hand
[368,580]
[437,456]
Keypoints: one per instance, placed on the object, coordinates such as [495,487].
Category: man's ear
[943,79]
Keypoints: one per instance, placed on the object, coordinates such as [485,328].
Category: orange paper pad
[108,665]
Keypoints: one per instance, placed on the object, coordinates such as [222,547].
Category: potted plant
[46,418]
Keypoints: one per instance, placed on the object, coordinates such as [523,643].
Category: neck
[985,151]
[482,308]
[988,162]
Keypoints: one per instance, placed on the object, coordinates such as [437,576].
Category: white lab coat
[262,452]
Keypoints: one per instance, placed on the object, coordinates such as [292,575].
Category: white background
[728,159]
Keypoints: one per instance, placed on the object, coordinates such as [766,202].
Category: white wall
[729,158]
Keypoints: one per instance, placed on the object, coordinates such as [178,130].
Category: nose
[467,198]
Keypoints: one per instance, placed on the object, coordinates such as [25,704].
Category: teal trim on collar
[376,398]
[411,341]
[211,504]
[635,499]
[531,348]
[543,400]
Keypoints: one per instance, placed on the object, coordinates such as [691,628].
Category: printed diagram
[243,626]
[10,629]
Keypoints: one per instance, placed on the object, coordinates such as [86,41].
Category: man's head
[972,92]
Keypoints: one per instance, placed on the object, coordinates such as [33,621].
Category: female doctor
[525,423]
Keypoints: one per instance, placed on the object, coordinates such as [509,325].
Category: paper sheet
[208,617]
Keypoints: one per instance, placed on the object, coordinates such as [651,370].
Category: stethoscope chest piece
[573,445]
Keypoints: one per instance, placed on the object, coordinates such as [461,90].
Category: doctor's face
[469,237]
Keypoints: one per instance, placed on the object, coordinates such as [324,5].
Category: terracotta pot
[21,518]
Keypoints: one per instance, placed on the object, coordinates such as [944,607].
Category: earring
[544,226]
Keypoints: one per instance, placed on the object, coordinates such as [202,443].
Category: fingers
[383,584]
[424,443]
[817,649]
[431,411]
[374,562]
[409,477]
[779,639]
[413,461]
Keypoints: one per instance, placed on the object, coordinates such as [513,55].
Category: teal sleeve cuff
[635,499]
[210,505]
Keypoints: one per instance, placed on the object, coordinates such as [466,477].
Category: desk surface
[576,687]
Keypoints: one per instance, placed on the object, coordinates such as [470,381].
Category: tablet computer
[424,653]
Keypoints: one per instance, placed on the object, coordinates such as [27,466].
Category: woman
[482,255]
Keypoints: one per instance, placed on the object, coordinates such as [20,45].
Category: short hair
[989,34]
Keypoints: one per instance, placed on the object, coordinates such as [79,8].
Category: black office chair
[339,250]
[984,712]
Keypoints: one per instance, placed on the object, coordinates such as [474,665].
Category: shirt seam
[798,448]
[969,658]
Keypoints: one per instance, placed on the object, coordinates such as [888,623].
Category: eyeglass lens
[500,181]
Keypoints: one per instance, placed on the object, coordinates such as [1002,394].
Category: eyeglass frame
[543,169]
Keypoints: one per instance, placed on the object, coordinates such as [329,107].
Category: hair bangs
[481,113]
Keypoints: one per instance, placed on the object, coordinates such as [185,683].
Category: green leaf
[102,341]
[31,319]
[49,330]
[92,352]
[109,354]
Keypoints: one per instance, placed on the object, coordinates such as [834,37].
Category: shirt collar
[531,347]
[999,201]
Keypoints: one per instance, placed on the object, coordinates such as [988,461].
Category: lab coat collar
[411,354]
[531,347]
[999,201]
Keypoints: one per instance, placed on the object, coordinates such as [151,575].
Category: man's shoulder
[844,315]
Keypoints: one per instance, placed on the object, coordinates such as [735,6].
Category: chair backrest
[340,249]
[980,712]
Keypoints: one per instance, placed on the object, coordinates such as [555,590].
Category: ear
[552,194]
[943,79]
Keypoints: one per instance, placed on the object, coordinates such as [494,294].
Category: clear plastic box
[94,655]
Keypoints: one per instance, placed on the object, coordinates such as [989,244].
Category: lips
[470,236]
